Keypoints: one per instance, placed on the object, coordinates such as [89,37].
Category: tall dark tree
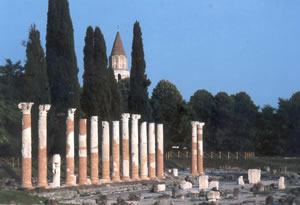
[36,86]
[62,70]
[138,100]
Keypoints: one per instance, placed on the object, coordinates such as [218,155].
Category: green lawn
[19,197]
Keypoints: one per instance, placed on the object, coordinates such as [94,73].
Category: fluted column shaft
[135,147]
[105,152]
[42,129]
[94,150]
[194,167]
[82,152]
[160,151]
[152,158]
[116,152]
[26,144]
[143,151]
[125,147]
[200,147]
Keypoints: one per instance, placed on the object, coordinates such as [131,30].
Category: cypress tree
[62,71]
[36,86]
[138,100]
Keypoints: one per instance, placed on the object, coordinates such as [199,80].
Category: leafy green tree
[138,100]
[62,70]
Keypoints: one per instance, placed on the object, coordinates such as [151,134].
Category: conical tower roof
[118,48]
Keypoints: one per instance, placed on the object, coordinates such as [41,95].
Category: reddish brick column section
[135,147]
[152,164]
[160,151]
[143,151]
[94,150]
[26,144]
[105,153]
[200,147]
[42,175]
[125,147]
[116,152]
[70,177]
[82,172]
[194,167]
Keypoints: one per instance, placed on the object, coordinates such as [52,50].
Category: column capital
[71,112]
[135,117]
[194,123]
[25,107]
[44,109]
[94,119]
[201,124]
[125,116]
[105,123]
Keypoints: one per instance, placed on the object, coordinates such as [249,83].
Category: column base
[135,179]
[201,173]
[70,184]
[152,177]
[126,179]
[194,174]
[95,181]
[27,186]
[117,179]
[105,181]
[145,178]
[42,185]
[161,177]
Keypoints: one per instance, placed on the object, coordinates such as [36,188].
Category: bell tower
[118,59]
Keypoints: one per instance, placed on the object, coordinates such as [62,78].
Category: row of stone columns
[146,152]
[197,148]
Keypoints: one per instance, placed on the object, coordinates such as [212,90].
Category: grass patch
[19,197]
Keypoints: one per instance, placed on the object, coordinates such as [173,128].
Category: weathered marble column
[94,150]
[42,175]
[125,147]
[160,151]
[70,177]
[105,153]
[82,170]
[143,151]
[200,147]
[152,164]
[116,152]
[194,149]
[26,144]
[56,170]
[135,147]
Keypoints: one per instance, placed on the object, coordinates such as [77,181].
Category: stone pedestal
[213,184]
[70,177]
[125,147]
[116,152]
[94,150]
[143,151]
[56,164]
[203,182]
[194,168]
[254,176]
[160,151]
[26,144]
[42,174]
[135,147]
[200,148]
[152,160]
[175,172]
[82,153]
[105,152]
[241,181]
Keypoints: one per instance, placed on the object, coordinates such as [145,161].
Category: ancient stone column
[42,175]
[125,147]
[26,144]
[135,147]
[143,151]
[160,151]
[82,170]
[70,177]
[56,170]
[116,152]
[105,153]
[94,150]
[152,160]
[200,147]
[194,149]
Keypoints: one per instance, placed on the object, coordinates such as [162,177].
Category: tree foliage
[138,100]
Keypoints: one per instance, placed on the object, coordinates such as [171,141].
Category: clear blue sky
[217,45]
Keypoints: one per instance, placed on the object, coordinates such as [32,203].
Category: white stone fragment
[203,182]
[159,187]
[213,184]
[185,185]
[56,163]
[241,181]
[175,172]
[281,183]
[213,196]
